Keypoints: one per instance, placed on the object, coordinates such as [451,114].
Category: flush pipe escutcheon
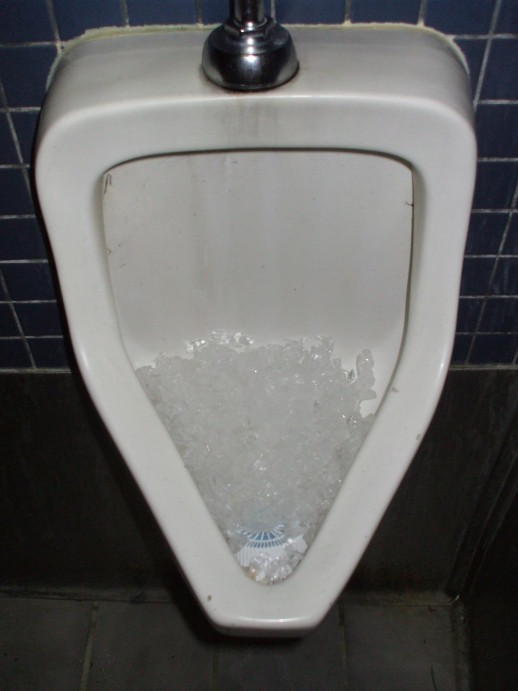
[249,52]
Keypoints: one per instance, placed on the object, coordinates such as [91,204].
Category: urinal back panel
[275,244]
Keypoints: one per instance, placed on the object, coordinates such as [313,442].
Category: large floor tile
[149,647]
[314,662]
[399,647]
[42,644]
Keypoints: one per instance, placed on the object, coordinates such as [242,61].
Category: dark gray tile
[42,643]
[147,646]
[314,662]
[403,647]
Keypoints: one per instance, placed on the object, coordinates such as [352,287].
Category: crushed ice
[268,433]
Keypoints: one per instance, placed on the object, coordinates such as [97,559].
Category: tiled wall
[32,329]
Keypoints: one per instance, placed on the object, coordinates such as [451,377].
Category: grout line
[87,660]
[491,277]
[343,646]
[16,320]
[53,20]
[215,667]
[460,645]
[487,51]
[348,10]
[125,13]
[422,12]
[199,12]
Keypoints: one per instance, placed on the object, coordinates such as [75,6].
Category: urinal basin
[336,205]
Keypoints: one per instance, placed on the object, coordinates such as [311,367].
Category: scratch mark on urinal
[107,183]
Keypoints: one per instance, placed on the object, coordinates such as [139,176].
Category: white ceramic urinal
[335,205]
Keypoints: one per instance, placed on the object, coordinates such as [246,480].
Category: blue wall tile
[8,326]
[497,130]
[74,18]
[500,315]
[461,348]
[511,241]
[14,197]
[383,11]
[50,352]
[13,353]
[473,50]
[494,348]
[25,20]
[496,184]
[39,318]
[508,18]
[310,12]
[24,71]
[469,311]
[485,233]
[501,79]
[475,275]
[142,12]
[25,126]
[20,238]
[7,149]
[29,281]
[459,16]
[505,281]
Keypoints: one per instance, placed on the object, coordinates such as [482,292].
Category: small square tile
[24,72]
[467,317]
[7,149]
[494,349]
[497,130]
[29,281]
[8,326]
[13,355]
[147,646]
[473,50]
[314,662]
[475,276]
[508,18]
[14,195]
[52,352]
[25,124]
[74,18]
[21,238]
[500,315]
[310,12]
[459,16]
[141,12]
[501,78]
[43,643]
[461,348]
[25,21]
[495,185]
[399,647]
[485,233]
[505,280]
[39,318]
[511,241]
[383,11]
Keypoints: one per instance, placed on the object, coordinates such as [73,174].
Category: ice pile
[268,434]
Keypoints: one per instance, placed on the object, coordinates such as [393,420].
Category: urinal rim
[110,378]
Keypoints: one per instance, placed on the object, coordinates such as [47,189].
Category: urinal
[336,205]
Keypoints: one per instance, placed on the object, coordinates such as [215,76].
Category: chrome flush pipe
[249,52]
